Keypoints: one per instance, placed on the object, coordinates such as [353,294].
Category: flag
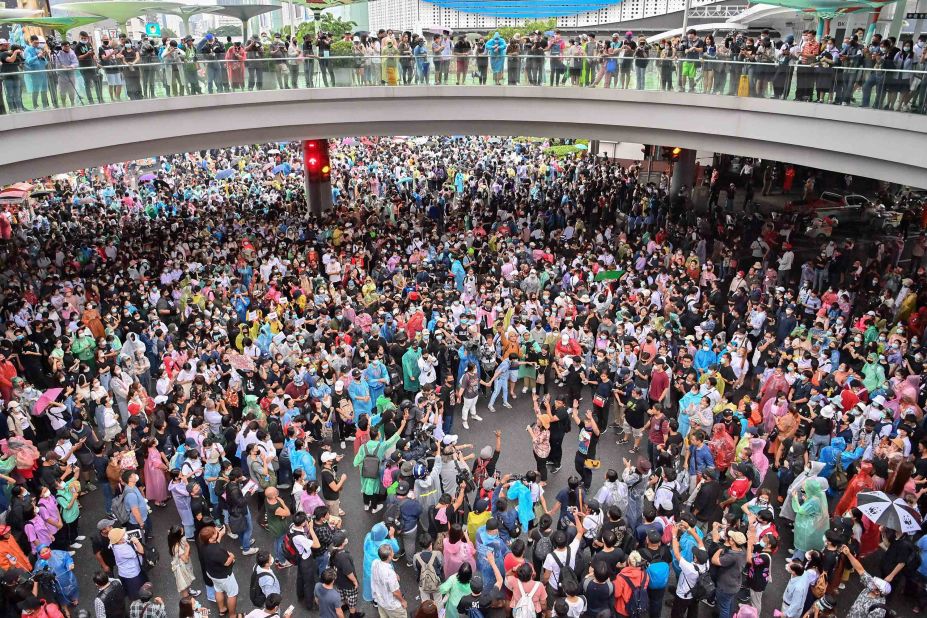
[609,275]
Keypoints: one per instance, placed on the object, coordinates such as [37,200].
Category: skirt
[183,574]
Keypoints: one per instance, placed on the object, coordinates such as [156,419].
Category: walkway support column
[898,19]
[317,175]
[683,171]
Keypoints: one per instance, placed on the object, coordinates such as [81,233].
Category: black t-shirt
[610,558]
[9,67]
[101,546]
[344,564]
[599,596]
[757,572]
[80,49]
[468,602]
[635,413]
[328,476]
[215,557]
[462,47]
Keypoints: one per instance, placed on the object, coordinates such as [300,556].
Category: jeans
[107,496]
[212,77]
[13,88]
[328,73]
[501,385]
[873,80]
[247,533]
[309,73]
[641,74]
[255,78]
[724,601]
[149,75]
[278,550]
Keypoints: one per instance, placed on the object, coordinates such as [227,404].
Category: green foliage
[227,30]
[165,31]
[342,48]
[329,23]
[540,24]
[562,152]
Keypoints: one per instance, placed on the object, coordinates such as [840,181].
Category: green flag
[609,275]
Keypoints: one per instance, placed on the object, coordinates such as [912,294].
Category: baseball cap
[103,524]
[737,537]
[328,456]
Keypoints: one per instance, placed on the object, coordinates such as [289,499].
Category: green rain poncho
[873,374]
[410,369]
[811,516]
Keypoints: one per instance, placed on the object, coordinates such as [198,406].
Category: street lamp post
[685,17]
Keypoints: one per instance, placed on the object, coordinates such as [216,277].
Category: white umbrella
[892,513]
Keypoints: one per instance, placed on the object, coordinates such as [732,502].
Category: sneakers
[555,470]
[343,445]
[194,593]
[81,538]
[477,417]
[506,404]
[350,438]
[231,535]
[524,389]
[283,565]
[76,545]
[465,425]
[491,408]
[377,509]
[250,551]
[366,507]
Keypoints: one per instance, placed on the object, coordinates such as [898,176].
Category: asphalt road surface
[516,457]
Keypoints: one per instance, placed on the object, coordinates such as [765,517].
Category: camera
[465,476]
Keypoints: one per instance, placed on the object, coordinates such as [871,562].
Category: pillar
[683,171]
[898,19]
[827,27]
[873,21]
[317,175]
[820,28]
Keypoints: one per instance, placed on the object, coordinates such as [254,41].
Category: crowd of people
[875,71]
[173,337]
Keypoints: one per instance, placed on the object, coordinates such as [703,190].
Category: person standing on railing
[641,60]
[110,59]
[254,52]
[420,52]
[514,63]
[555,47]
[148,62]
[65,61]
[173,64]
[308,55]
[691,50]
[667,65]
[191,66]
[405,58]
[213,52]
[86,58]
[133,76]
[36,62]
[496,49]
[235,65]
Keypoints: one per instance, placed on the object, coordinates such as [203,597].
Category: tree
[530,26]
[227,30]
[167,32]
[332,24]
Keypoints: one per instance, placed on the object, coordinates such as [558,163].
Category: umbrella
[46,399]
[241,362]
[273,151]
[892,513]
[146,177]
[222,175]
[581,147]
[609,275]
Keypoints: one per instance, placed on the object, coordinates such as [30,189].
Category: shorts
[227,586]
[348,597]
[636,433]
[115,79]
[689,69]
[462,64]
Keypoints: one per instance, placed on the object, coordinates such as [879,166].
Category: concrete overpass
[878,144]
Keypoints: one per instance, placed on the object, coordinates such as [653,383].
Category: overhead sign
[916,16]
[153,29]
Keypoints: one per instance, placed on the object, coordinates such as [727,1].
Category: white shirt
[688,575]
[551,565]
[383,583]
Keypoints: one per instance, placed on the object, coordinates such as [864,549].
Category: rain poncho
[837,448]
[722,447]
[372,542]
[863,481]
[410,369]
[519,495]
[62,565]
[486,542]
[811,517]
[496,48]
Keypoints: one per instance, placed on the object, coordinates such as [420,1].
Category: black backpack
[149,560]
[638,606]
[567,573]
[255,593]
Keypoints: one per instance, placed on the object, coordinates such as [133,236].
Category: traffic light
[670,153]
[318,164]
[674,154]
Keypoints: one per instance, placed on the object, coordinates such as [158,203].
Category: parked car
[848,209]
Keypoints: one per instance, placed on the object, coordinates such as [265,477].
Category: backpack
[567,573]
[638,605]
[475,612]
[658,574]
[428,581]
[370,466]
[119,509]
[179,456]
[392,515]
[525,606]
[704,586]
[542,547]
[819,589]
[149,560]
[838,478]
[255,593]
[388,475]
[289,550]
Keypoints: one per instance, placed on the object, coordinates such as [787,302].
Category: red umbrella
[46,399]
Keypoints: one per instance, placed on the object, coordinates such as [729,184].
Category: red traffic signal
[315,156]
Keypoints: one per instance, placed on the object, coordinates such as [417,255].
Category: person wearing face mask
[87,61]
